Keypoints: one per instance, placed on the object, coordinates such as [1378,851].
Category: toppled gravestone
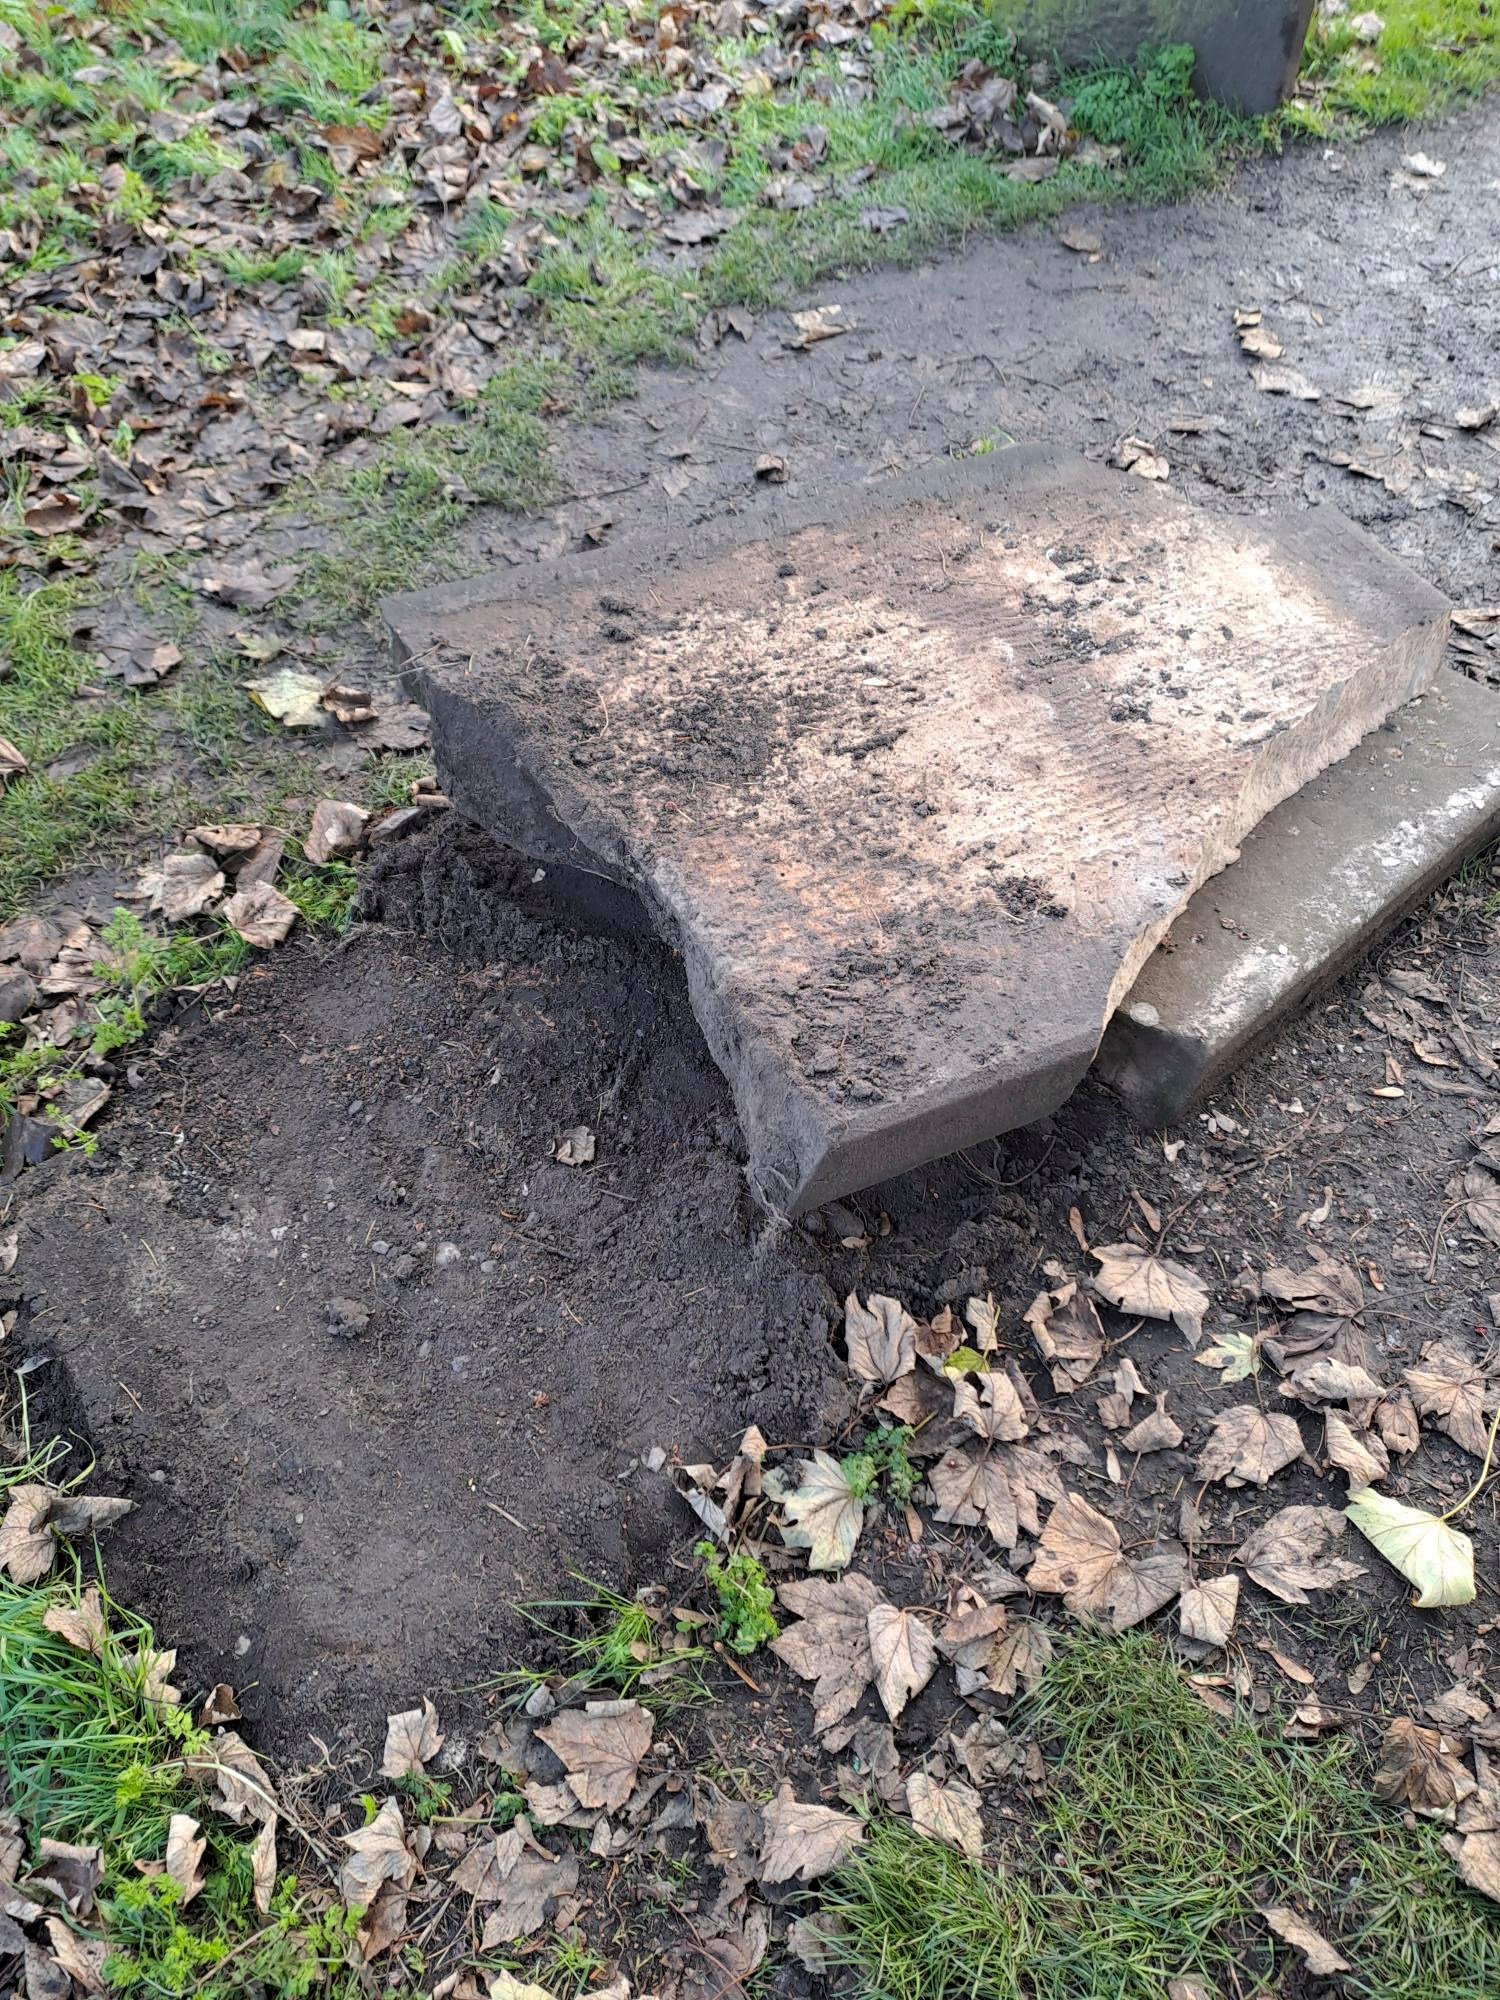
[915,778]
[1248,51]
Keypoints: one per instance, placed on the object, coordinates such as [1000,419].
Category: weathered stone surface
[916,778]
[1248,51]
[1317,882]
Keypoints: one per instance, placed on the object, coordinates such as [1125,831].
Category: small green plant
[430,1797]
[746,1601]
[622,1647]
[883,1457]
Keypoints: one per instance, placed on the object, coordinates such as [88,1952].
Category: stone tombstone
[1248,51]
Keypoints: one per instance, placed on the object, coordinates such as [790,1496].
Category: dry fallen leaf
[377,1853]
[1455,1393]
[1359,1454]
[823,1514]
[1156,1432]
[1318,1954]
[903,1653]
[601,1746]
[1419,1768]
[990,1407]
[1247,1444]
[881,1339]
[38,1518]
[1143,1282]
[185,1849]
[261,915]
[263,1866]
[81,1624]
[1289,1554]
[184,886]
[1278,378]
[830,1645]
[293,699]
[575,1148]
[1079,1558]
[947,1812]
[799,1843]
[412,1740]
[1133,454]
[1428,1553]
[522,1882]
[1207,1611]
[1069,1337]
[337,829]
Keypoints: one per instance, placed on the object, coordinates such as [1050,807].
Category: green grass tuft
[1161,1835]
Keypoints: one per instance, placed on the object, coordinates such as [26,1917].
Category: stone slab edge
[1319,881]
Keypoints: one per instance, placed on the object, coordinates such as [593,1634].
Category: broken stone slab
[916,776]
[1248,52]
[1318,881]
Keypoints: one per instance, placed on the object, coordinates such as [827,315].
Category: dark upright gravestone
[1248,50]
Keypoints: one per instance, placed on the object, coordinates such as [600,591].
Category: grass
[606,1643]
[1161,1835]
[89,1754]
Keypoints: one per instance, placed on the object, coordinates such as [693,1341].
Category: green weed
[747,1617]
[883,1457]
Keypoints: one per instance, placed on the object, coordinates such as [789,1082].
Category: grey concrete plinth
[1318,881]
[916,777]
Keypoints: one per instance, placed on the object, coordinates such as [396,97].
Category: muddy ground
[375,1365]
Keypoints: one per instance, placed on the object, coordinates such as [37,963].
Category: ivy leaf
[1427,1552]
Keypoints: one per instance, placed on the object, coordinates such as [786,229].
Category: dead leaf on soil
[522,1880]
[184,886]
[1079,1559]
[1207,1611]
[1318,1955]
[947,1812]
[881,1339]
[601,1746]
[991,1408]
[830,1645]
[38,1518]
[70,1873]
[801,1842]
[1357,1453]
[412,1740]
[1019,1658]
[237,1775]
[1326,1286]
[1279,378]
[1157,1432]
[337,829]
[1145,1283]
[1133,454]
[219,1707]
[903,1654]
[1289,1554]
[1069,1336]
[377,1853]
[261,915]
[293,699]
[185,1849]
[263,1866]
[82,1958]
[1420,1769]
[1247,1444]
[817,323]
[1455,1394]
[575,1148]
[823,1514]
[1434,1557]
